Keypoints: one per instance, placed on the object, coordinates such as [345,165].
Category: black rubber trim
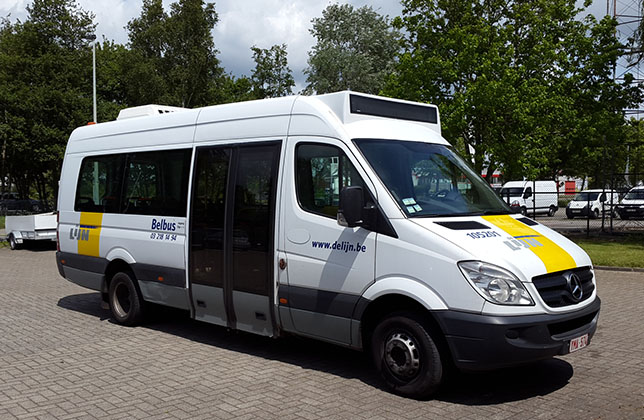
[82,262]
[527,221]
[483,342]
[466,225]
[152,273]
[144,272]
[320,301]
[59,264]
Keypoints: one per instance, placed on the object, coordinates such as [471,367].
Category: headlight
[495,284]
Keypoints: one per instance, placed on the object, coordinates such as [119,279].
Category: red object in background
[570,187]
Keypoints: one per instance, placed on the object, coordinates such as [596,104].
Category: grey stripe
[321,301]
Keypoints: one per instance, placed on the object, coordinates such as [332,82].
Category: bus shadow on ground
[478,389]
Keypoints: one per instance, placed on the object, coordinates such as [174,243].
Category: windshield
[430,179]
[511,191]
[586,196]
[635,195]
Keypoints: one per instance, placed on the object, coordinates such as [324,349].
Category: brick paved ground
[61,358]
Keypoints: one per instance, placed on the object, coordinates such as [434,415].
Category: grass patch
[622,251]
[1,222]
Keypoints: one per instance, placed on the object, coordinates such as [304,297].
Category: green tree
[172,57]
[271,77]
[45,91]
[355,50]
[523,84]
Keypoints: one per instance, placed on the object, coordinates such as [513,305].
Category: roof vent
[147,110]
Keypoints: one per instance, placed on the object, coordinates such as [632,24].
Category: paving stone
[62,358]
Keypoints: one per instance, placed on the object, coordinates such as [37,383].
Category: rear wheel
[524,211]
[595,214]
[406,356]
[125,300]
[551,211]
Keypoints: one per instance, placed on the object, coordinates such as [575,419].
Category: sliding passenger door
[232,236]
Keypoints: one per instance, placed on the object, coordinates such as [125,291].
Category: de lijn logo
[80,232]
[521,242]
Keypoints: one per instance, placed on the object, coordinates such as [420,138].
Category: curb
[609,268]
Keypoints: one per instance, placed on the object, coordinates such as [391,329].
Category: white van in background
[343,217]
[632,205]
[521,196]
[592,203]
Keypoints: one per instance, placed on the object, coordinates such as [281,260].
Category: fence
[612,209]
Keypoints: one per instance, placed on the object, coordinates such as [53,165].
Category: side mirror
[351,203]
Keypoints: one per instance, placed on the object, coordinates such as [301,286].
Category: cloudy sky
[242,24]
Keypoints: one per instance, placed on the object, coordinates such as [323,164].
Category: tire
[12,243]
[595,214]
[406,356]
[551,211]
[125,300]
[524,211]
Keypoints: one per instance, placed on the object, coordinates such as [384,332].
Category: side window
[156,183]
[99,184]
[150,183]
[321,173]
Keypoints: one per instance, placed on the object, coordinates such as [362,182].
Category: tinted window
[321,172]
[99,184]
[154,183]
[208,216]
[252,234]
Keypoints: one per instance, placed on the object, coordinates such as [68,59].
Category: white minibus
[342,217]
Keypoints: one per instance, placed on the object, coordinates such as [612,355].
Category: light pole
[93,39]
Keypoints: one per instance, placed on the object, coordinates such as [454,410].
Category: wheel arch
[403,299]
[115,266]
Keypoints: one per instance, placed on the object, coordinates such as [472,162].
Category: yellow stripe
[90,223]
[552,255]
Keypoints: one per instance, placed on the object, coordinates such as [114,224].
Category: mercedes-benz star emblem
[574,285]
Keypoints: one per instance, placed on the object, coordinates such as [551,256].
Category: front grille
[555,290]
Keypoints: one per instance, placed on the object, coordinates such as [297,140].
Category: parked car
[11,203]
[632,205]
[591,203]
[520,196]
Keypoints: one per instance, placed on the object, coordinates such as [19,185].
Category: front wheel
[13,244]
[406,356]
[595,214]
[125,300]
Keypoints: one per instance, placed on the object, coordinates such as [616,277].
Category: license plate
[578,343]
[630,210]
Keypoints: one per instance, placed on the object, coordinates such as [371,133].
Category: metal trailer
[34,227]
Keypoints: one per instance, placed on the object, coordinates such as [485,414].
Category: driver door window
[321,173]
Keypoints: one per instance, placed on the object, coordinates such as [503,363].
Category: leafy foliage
[271,77]
[172,58]
[524,85]
[42,91]
[355,50]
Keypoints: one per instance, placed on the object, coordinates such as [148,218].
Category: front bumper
[630,212]
[577,212]
[484,342]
